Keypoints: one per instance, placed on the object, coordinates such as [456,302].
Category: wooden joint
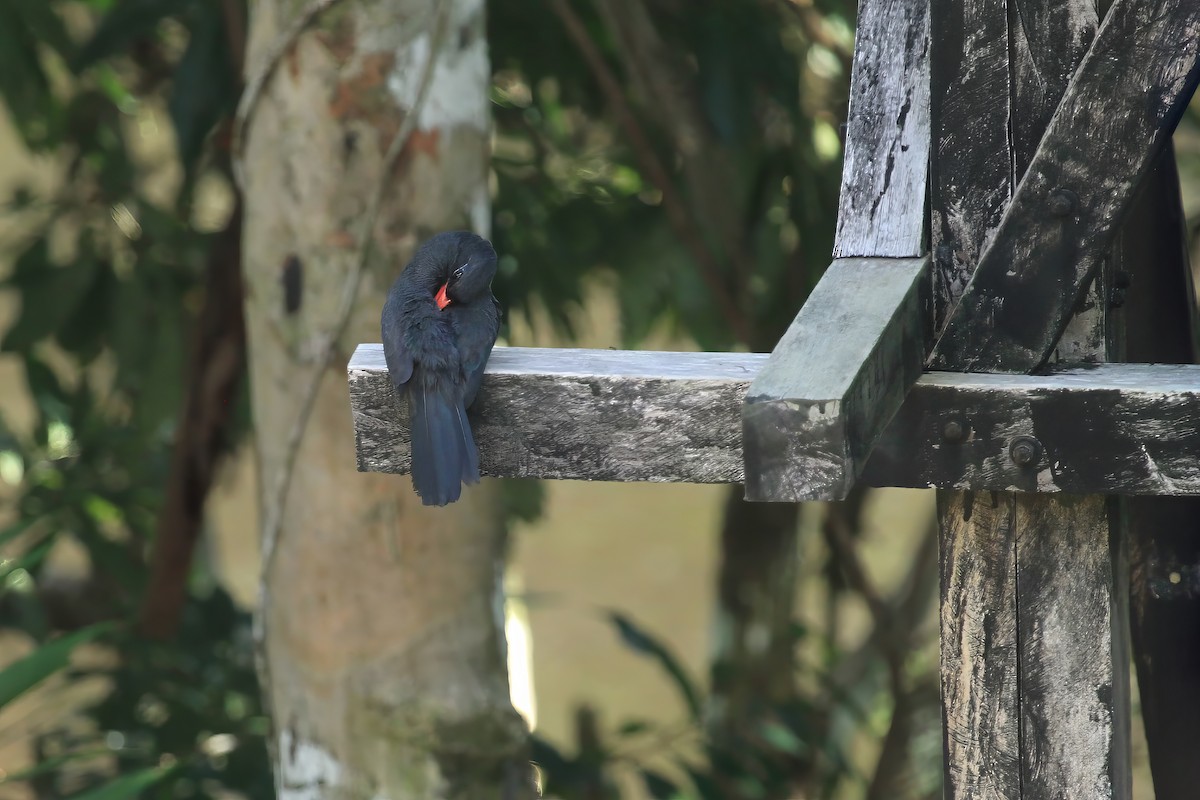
[835,380]
[1127,95]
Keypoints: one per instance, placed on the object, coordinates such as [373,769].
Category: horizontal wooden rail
[651,416]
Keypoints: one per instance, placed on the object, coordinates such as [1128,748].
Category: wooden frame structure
[957,341]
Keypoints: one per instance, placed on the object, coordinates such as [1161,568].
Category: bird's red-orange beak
[441,298]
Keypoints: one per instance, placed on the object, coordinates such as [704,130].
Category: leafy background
[625,218]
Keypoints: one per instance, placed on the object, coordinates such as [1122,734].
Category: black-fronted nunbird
[440,322]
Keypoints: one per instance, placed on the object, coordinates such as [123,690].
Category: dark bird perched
[439,324]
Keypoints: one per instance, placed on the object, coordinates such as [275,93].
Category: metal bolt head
[1025,451]
[1062,202]
[953,431]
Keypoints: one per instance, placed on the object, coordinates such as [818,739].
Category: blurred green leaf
[28,560]
[28,671]
[124,23]
[48,394]
[204,84]
[633,727]
[783,739]
[126,786]
[522,499]
[24,86]
[703,783]
[642,642]
[658,787]
[54,764]
[16,529]
[50,295]
[42,23]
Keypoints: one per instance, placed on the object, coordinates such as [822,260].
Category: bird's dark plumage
[439,323]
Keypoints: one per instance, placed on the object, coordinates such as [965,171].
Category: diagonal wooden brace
[1119,109]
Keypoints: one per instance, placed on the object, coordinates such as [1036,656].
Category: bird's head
[466,266]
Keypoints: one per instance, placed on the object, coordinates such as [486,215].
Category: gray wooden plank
[1103,440]
[653,416]
[1074,659]
[834,381]
[970,183]
[584,414]
[979,656]
[1072,570]
[1049,40]
[842,369]
[1069,701]
[882,207]
[1127,95]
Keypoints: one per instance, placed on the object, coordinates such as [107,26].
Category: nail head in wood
[1024,451]
[1063,202]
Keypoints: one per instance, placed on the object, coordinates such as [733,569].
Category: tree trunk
[383,649]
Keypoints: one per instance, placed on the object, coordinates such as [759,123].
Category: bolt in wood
[1024,451]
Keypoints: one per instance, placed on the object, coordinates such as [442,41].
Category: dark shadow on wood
[1165,531]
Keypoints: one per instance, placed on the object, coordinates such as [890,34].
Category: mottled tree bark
[383,651]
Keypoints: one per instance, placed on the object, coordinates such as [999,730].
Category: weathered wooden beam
[1121,105]
[882,207]
[841,371]
[1034,650]
[605,415]
[1111,429]
[652,416]
[835,380]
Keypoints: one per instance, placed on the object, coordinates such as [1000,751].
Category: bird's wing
[476,347]
[395,352]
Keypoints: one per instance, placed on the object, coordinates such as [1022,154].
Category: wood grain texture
[1120,429]
[1127,95]
[584,414]
[970,177]
[1072,569]
[1051,568]
[834,381]
[882,206]
[970,183]
[652,416]
[979,647]
[1074,657]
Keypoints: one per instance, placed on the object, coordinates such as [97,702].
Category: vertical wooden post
[1034,638]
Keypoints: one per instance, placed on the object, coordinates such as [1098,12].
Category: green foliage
[574,197]
[108,277]
[195,699]
[642,642]
[25,673]
[790,740]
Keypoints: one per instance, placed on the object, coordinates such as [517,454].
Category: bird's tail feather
[443,450]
